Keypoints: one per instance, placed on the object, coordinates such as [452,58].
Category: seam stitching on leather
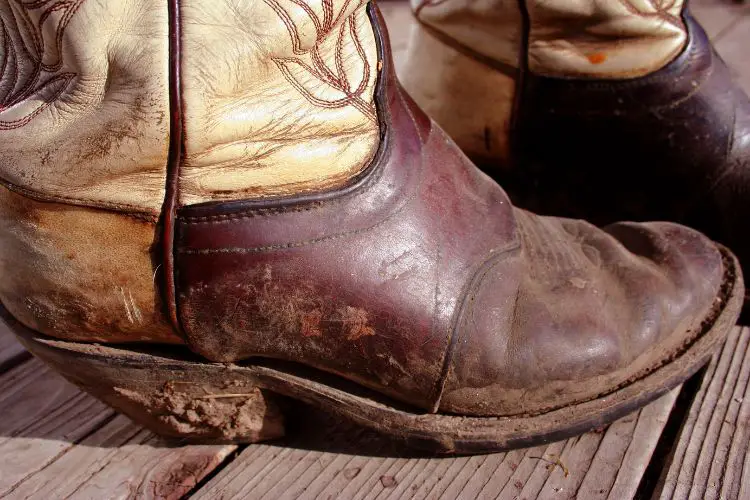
[82,202]
[346,234]
[492,259]
[407,108]
[309,206]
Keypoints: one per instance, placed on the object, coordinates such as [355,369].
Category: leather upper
[577,311]
[410,272]
[421,281]
[364,282]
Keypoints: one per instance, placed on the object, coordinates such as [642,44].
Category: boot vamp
[593,311]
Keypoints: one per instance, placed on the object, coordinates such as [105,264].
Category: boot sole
[174,393]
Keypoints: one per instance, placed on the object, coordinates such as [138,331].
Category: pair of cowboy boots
[209,206]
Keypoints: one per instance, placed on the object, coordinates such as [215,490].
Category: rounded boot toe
[578,312]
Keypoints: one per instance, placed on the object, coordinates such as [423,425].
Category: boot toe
[591,312]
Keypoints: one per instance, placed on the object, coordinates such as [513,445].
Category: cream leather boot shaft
[465,56]
[271,91]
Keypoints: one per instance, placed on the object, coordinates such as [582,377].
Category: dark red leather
[421,281]
[363,282]
[674,145]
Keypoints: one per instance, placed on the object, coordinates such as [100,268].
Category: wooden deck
[56,442]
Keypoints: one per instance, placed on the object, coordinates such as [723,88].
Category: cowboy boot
[610,110]
[208,205]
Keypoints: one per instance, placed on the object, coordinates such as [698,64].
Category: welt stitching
[406,108]
[297,244]
[85,202]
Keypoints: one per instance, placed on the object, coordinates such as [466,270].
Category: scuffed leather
[603,39]
[363,284]
[273,90]
[577,311]
[421,281]
[84,116]
[84,106]
[416,278]
[80,273]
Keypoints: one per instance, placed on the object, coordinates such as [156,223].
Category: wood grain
[711,458]
[122,460]
[11,352]
[346,462]
[41,417]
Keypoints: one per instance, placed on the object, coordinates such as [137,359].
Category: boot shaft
[564,38]
[86,86]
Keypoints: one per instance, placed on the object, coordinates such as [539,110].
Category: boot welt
[176,394]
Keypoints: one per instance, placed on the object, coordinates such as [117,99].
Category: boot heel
[235,411]
[172,396]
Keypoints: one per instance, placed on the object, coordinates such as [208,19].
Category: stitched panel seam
[492,259]
[207,251]
[125,209]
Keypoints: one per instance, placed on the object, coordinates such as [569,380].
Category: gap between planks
[331,459]
[711,458]
[56,441]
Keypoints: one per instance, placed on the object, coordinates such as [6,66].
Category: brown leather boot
[609,110]
[238,204]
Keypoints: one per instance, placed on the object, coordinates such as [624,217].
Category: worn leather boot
[209,205]
[608,110]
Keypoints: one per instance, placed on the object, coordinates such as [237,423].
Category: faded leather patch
[79,273]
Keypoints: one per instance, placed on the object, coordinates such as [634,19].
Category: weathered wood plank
[122,460]
[330,459]
[710,458]
[41,416]
[11,351]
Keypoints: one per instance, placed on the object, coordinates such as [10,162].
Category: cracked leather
[421,281]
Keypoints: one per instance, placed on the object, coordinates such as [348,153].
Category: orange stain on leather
[597,57]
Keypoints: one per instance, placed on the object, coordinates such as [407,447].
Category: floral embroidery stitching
[30,64]
[311,61]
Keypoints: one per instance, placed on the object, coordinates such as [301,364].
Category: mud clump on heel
[235,412]
[169,391]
